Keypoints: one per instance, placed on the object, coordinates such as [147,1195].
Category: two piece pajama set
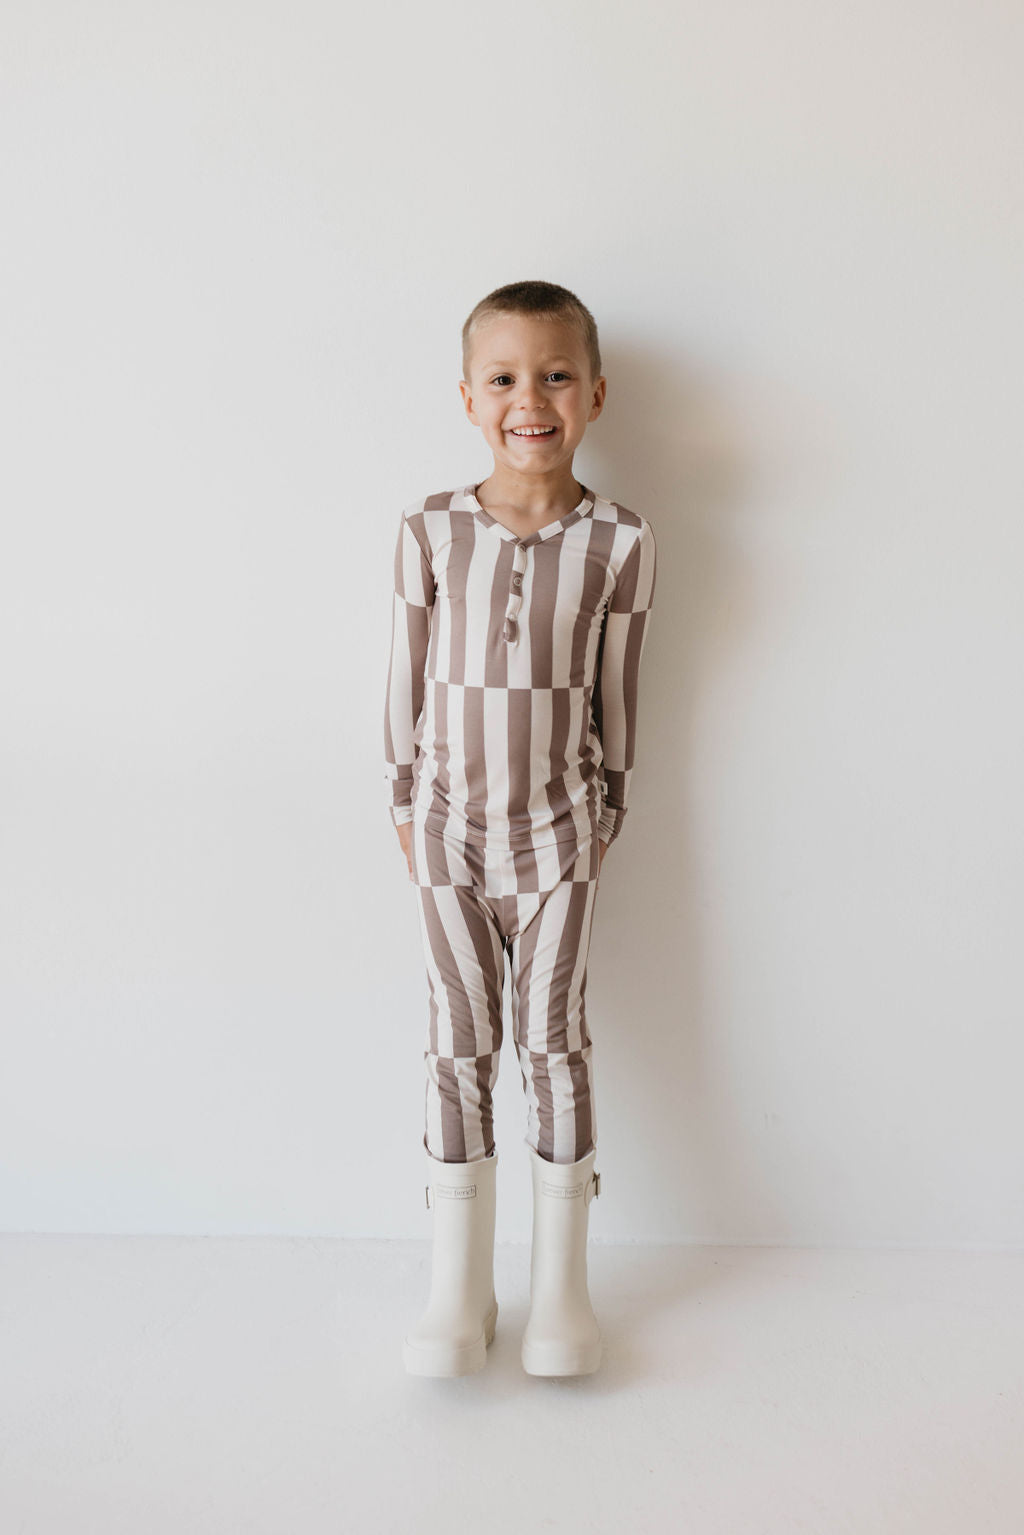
[509,733]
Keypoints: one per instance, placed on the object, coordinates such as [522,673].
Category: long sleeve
[411,612]
[616,693]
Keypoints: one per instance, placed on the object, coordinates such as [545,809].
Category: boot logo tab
[557,1192]
[446,1192]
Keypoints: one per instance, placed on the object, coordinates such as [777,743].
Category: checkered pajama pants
[477,904]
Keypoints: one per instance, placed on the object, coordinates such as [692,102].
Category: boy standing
[520,613]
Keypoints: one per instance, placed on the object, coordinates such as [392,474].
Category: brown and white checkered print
[510,732]
[513,680]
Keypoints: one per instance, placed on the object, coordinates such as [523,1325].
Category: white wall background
[240,242]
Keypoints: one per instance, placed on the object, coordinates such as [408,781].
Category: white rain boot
[562,1336]
[452,1335]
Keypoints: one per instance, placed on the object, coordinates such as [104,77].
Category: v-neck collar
[550,529]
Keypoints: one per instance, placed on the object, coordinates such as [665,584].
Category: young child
[520,612]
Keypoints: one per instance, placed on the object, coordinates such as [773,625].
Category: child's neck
[533,498]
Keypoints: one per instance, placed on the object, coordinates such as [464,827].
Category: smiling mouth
[533,431]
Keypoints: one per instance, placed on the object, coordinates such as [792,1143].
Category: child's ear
[467,400]
[597,399]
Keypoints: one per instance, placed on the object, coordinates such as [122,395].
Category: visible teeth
[532,431]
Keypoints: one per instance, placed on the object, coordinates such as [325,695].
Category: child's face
[531,370]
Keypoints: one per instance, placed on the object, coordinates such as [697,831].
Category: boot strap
[595,1179]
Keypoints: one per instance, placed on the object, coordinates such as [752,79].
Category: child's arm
[618,675]
[411,611]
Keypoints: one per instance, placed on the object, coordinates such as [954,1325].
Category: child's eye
[506,378]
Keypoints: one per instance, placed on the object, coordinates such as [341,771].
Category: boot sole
[443,1362]
[558,1359]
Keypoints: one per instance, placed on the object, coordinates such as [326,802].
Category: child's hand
[405,838]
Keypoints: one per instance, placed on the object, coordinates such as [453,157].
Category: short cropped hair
[541,298]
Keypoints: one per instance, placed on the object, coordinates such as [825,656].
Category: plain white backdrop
[240,243]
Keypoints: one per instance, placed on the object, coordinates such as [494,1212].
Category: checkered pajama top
[512,686]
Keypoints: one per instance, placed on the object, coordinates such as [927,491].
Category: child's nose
[531,394]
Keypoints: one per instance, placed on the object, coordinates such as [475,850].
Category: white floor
[153,1385]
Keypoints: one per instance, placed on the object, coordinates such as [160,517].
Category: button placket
[515,595]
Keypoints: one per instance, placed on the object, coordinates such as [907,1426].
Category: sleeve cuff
[610,823]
